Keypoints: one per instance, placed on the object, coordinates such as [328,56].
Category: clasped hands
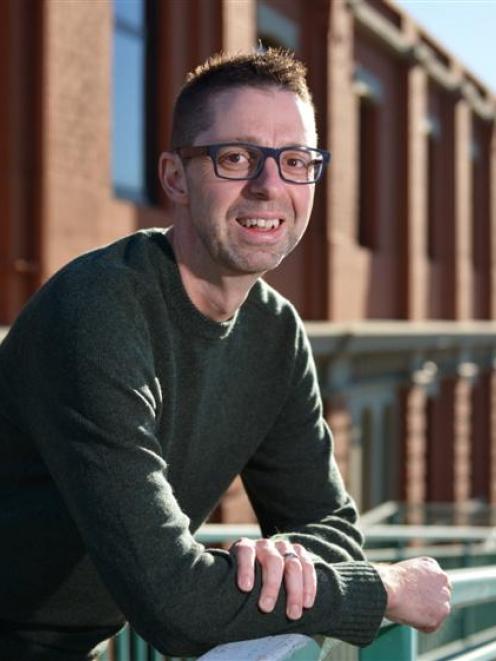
[418,590]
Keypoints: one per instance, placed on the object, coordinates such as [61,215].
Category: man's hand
[279,561]
[418,593]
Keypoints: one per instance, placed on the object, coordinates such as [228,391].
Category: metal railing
[473,588]
[397,533]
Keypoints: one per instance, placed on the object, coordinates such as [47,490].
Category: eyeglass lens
[244,161]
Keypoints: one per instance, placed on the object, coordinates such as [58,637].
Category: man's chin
[256,265]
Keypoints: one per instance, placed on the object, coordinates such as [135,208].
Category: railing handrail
[439,551]
[470,586]
[476,585]
[473,585]
[406,532]
[379,513]
[225,532]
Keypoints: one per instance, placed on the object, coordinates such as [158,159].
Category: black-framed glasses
[297,164]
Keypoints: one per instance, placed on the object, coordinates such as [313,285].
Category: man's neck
[215,294]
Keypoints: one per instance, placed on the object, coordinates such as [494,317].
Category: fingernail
[267,604]
[246,583]
[308,601]
[294,613]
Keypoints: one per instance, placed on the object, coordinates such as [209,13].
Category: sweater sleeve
[94,401]
[298,494]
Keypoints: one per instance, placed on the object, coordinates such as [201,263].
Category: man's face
[221,213]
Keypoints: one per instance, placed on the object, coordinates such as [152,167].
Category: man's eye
[234,158]
[294,162]
[297,161]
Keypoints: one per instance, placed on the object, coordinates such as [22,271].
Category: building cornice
[453,79]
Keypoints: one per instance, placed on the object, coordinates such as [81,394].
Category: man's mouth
[262,224]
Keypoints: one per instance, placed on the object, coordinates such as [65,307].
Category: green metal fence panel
[121,645]
[394,643]
[474,613]
[483,653]
[139,648]
[337,650]
[310,652]
[376,533]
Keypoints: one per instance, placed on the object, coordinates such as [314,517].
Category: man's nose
[269,178]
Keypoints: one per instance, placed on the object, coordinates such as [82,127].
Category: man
[145,375]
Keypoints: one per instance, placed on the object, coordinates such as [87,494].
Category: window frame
[148,195]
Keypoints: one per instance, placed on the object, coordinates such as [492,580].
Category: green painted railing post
[394,643]
[122,645]
[139,647]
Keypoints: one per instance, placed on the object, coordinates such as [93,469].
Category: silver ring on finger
[290,554]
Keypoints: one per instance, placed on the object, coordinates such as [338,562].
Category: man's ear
[172,177]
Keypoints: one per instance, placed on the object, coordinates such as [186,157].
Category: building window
[276,29]
[477,213]
[431,198]
[388,485]
[367,430]
[433,130]
[131,99]
[370,96]
[368,164]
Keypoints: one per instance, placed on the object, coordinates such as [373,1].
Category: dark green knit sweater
[124,415]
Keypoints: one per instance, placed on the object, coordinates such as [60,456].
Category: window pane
[128,128]
[130,12]
[367,173]
[275,28]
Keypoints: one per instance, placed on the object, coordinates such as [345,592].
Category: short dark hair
[274,67]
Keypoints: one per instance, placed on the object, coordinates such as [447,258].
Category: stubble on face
[237,256]
[269,117]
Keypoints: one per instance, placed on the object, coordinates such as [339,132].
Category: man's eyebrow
[254,141]
[242,138]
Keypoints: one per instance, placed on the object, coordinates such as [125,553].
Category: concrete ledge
[329,338]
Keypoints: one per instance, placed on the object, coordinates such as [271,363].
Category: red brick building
[397,272]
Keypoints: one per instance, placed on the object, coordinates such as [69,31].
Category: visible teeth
[262,223]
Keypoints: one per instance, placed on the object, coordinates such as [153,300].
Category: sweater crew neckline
[188,315]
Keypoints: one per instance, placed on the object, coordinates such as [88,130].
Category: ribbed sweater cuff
[363,604]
